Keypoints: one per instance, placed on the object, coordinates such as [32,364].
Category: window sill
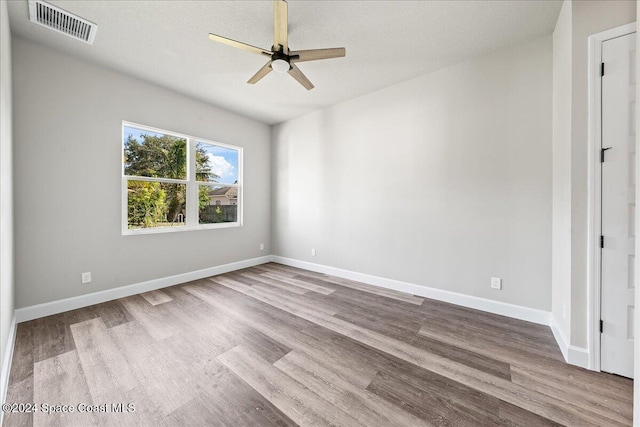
[161,230]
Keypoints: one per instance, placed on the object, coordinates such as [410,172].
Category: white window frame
[191,221]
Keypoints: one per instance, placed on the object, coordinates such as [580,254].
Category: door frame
[594,219]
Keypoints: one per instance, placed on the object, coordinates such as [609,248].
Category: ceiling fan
[282,60]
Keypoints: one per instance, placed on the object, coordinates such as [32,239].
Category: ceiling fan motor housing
[281,61]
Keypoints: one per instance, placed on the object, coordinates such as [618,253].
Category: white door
[618,205]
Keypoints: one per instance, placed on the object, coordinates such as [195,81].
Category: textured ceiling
[165,42]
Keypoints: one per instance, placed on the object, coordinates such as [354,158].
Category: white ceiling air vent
[62,21]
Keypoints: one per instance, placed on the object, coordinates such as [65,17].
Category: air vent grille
[62,21]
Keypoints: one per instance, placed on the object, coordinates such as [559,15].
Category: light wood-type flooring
[278,346]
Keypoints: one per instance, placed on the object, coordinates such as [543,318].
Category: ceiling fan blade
[280,25]
[240,45]
[301,78]
[316,54]
[261,73]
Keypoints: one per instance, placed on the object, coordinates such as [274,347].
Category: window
[174,182]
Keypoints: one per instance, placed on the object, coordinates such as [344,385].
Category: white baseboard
[47,309]
[559,336]
[6,364]
[578,356]
[573,355]
[510,310]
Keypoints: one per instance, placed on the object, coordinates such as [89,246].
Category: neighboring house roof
[223,191]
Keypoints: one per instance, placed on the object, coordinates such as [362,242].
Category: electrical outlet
[313,252]
[86,277]
[262,246]
[496,283]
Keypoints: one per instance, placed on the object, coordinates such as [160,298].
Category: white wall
[68,157]
[561,250]
[443,181]
[6,191]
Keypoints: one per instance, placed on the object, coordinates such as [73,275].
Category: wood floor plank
[474,360]
[214,332]
[265,294]
[275,268]
[601,384]
[223,332]
[509,352]
[478,324]
[236,305]
[51,335]
[509,338]
[438,401]
[19,392]
[366,407]
[258,343]
[252,279]
[321,306]
[113,313]
[371,321]
[537,366]
[167,382]
[107,371]
[368,300]
[387,293]
[151,317]
[487,320]
[305,284]
[256,269]
[23,353]
[296,401]
[346,361]
[147,412]
[583,398]
[228,401]
[512,416]
[386,311]
[156,297]
[293,271]
[483,363]
[60,380]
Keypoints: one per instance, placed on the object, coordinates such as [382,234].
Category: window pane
[155,204]
[154,154]
[217,204]
[216,164]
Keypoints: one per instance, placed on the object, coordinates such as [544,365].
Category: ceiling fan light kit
[280,66]
[281,59]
